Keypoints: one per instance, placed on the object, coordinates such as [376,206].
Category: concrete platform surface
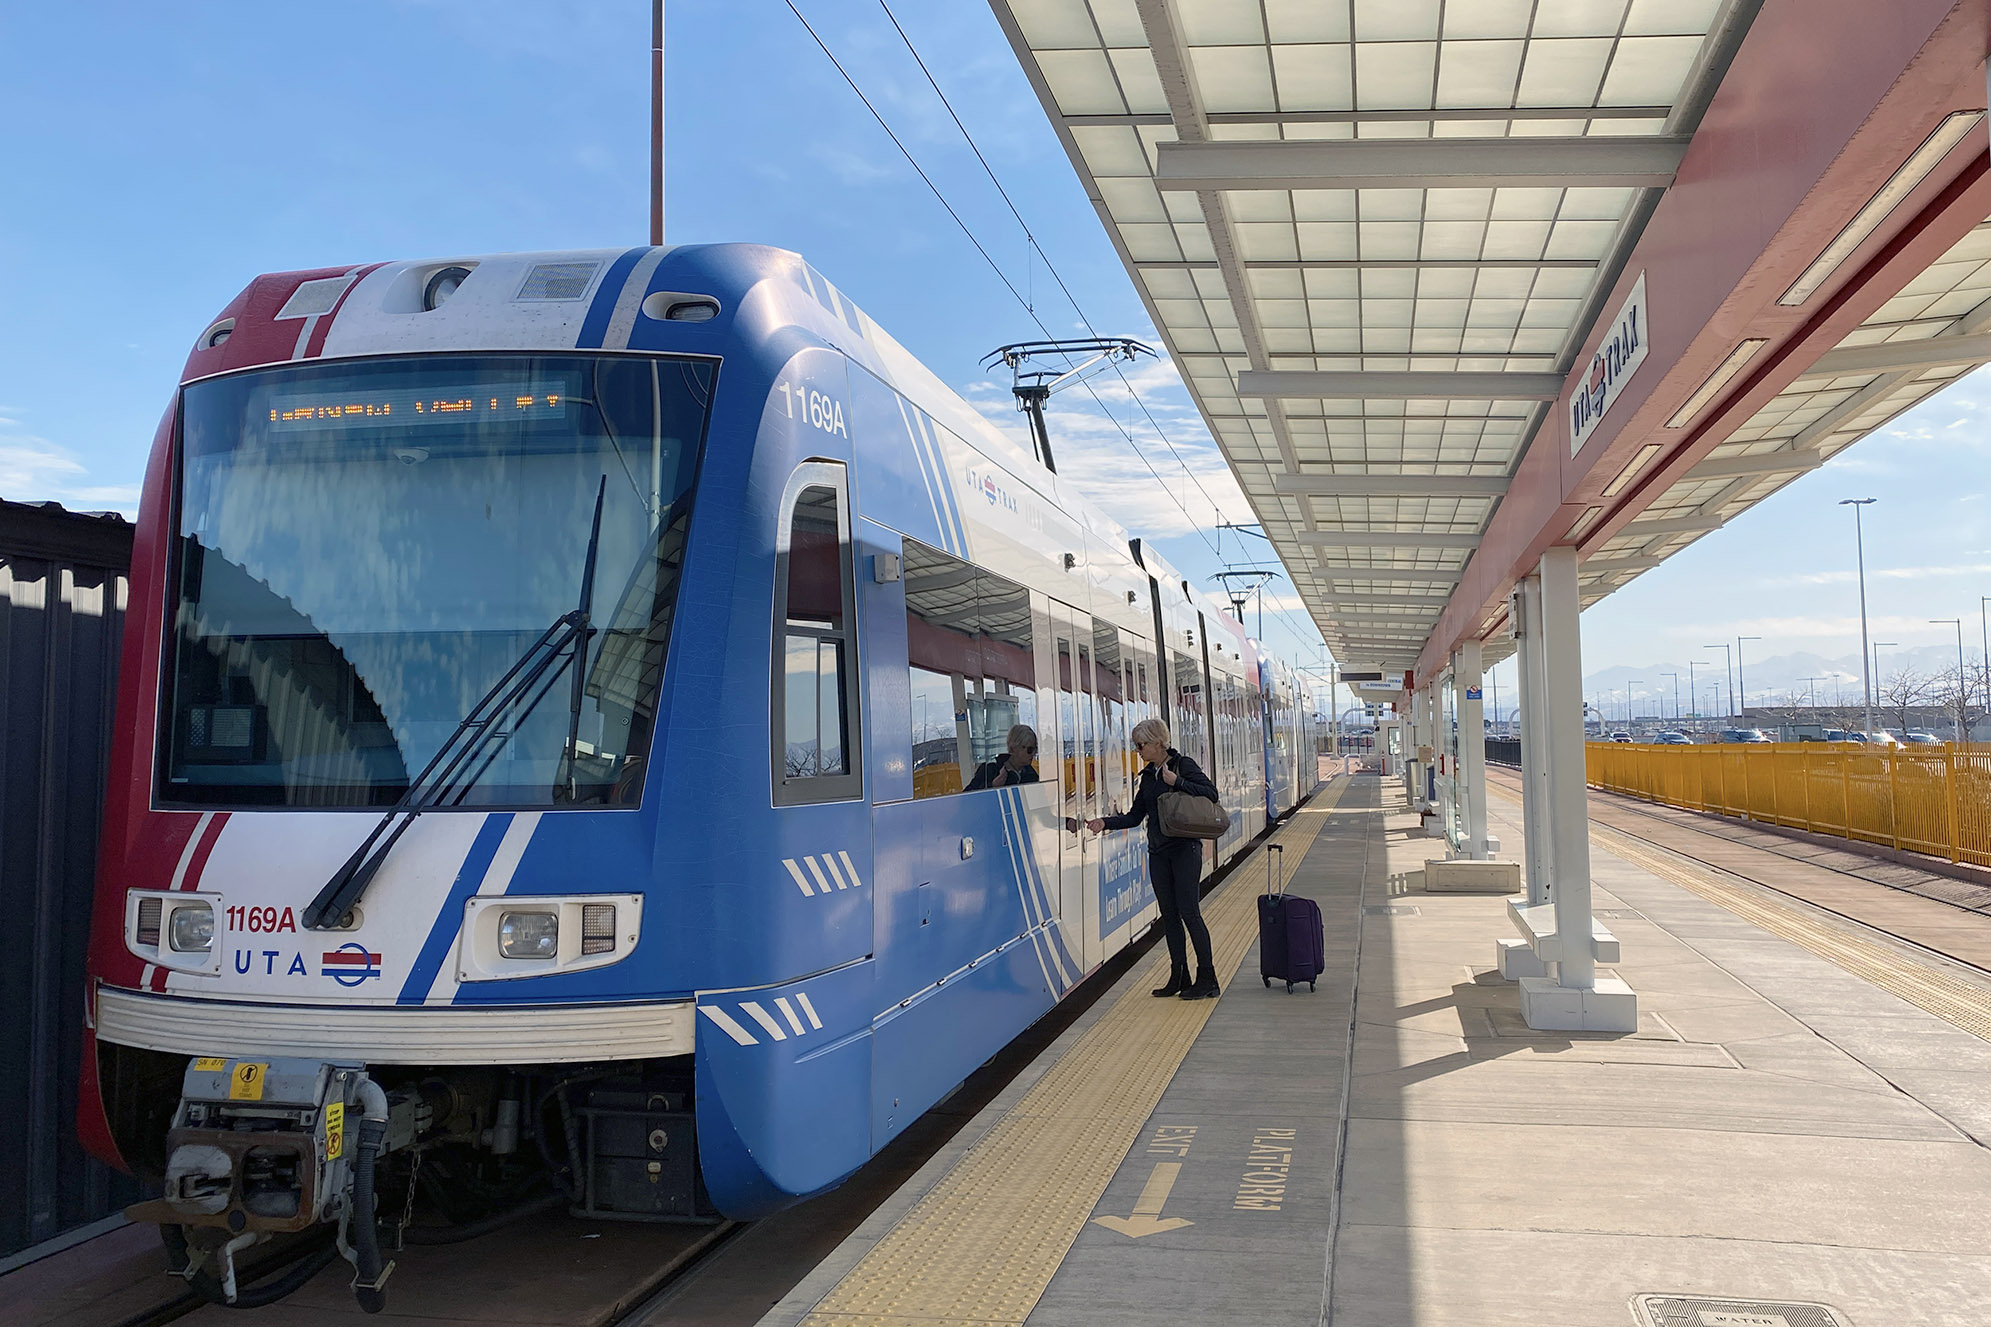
[1401,1150]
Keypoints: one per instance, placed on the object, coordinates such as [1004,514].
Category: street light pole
[1728,671]
[1631,715]
[1740,688]
[1962,677]
[1984,625]
[1676,694]
[1878,646]
[1860,550]
[1693,696]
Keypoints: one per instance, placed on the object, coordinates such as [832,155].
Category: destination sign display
[319,411]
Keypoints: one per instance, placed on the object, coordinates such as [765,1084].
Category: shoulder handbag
[1184,815]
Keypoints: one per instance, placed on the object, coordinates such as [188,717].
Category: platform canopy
[1389,243]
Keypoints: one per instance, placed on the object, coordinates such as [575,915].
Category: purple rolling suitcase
[1292,944]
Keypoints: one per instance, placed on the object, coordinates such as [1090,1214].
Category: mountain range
[1777,679]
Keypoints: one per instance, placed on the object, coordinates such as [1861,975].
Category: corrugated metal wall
[63,586]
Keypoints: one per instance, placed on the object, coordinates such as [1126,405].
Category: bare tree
[1902,692]
[1953,689]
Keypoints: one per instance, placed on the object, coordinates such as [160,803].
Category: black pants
[1176,867]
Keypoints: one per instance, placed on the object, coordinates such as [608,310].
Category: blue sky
[165,155]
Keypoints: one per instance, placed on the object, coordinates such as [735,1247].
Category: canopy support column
[1575,998]
[1471,776]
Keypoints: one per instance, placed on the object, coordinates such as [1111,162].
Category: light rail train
[556,716]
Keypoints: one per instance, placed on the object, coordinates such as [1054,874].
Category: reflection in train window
[974,677]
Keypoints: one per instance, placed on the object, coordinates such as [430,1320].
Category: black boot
[1178,982]
[1203,988]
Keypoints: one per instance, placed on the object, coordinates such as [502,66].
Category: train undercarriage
[359,1161]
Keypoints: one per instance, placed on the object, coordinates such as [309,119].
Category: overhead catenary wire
[981,249]
[1049,267]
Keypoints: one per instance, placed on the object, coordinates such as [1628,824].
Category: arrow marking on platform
[1147,1218]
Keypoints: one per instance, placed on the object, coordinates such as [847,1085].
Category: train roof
[594,299]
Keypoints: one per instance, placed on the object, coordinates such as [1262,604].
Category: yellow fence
[1935,801]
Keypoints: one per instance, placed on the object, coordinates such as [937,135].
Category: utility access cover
[1686,1311]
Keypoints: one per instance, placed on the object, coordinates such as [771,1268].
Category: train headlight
[504,939]
[173,930]
[193,928]
[529,934]
[441,286]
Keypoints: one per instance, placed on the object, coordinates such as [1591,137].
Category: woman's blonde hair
[1150,730]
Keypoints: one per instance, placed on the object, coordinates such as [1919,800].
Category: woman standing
[1176,865]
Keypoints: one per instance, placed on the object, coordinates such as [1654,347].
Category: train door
[1077,904]
[1123,892]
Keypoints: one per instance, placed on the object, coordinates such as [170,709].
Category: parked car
[1920,739]
[1844,735]
[1671,739]
[1744,735]
[1621,737]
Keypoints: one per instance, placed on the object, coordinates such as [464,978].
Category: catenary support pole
[657,121]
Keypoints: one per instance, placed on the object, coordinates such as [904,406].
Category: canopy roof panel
[1412,205]
[1380,236]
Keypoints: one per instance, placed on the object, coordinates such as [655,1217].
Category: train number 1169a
[820,409]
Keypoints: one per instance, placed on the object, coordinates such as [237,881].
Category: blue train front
[566,731]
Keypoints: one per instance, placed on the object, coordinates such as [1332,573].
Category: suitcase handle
[1275,882]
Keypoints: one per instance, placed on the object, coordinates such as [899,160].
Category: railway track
[677,1253]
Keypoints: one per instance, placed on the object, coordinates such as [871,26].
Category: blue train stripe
[1019,821]
[1061,954]
[595,325]
[926,475]
[1030,923]
[1019,828]
[947,503]
[937,458]
[1018,852]
[449,917]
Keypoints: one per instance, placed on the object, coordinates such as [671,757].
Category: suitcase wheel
[1312,987]
[1268,983]
[1289,988]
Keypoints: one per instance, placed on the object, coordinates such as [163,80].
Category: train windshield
[365,548]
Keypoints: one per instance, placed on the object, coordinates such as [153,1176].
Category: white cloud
[1100,434]
[33,469]
[1879,574]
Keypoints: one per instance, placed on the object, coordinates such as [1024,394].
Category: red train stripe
[324,327]
[191,881]
[204,851]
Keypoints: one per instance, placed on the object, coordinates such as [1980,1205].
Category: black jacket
[989,771]
[1147,798]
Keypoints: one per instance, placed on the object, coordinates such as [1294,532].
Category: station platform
[1797,1135]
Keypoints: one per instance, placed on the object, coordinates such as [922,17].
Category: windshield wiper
[569,632]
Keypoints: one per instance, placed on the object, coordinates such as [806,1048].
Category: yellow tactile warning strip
[983,1243]
[1953,998]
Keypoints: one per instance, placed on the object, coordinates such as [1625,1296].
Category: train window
[974,677]
[367,551]
[1110,698]
[1189,724]
[1067,715]
[815,733]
